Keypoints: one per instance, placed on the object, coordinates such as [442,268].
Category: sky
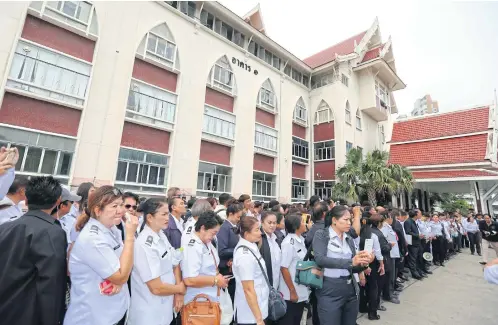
[446,49]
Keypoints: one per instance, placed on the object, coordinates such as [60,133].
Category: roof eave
[398,83]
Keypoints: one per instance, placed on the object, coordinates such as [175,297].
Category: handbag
[276,303]
[205,312]
[226,307]
[308,273]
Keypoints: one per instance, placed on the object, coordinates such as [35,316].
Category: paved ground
[454,295]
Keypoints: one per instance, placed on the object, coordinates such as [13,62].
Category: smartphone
[128,217]
[104,284]
[306,218]
[368,245]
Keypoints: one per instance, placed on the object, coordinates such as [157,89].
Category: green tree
[371,176]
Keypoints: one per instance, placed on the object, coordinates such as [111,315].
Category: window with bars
[299,190]
[323,114]
[49,74]
[219,123]
[348,113]
[300,150]
[300,112]
[358,119]
[324,150]
[265,137]
[150,104]
[221,75]
[324,189]
[142,168]
[264,186]
[39,154]
[213,178]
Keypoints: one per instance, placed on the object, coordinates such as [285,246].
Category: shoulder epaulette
[189,230]
[292,241]
[245,250]
[191,242]
[94,229]
[149,241]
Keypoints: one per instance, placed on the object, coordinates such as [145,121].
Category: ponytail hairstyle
[234,206]
[102,197]
[336,213]
[246,225]
[150,206]
[83,191]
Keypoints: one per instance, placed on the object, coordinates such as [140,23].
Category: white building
[148,95]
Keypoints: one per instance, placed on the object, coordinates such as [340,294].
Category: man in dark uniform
[33,258]
[411,229]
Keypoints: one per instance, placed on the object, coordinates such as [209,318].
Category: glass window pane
[200,180]
[48,164]
[121,173]
[33,160]
[21,150]
[153,174]
[64,166]
[162,173]
[132,172]
[142,175]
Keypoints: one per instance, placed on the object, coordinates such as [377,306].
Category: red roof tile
[372,54]
[451,174]
[438,152]
[441,125]
[328,55]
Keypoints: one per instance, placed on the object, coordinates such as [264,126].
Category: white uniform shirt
[179,223]
[293,250]
[6,181]
[246,268]
[276,258]
[390,235]
[189,230]
[337,249]
[154,258]
[94,258]
[198,260]
[11,213]
[69,220]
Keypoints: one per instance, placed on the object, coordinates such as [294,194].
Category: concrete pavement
[454,295]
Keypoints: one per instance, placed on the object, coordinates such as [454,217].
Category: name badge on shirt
[119,245]
[166,252]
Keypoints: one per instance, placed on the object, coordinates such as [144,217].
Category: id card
[368,245]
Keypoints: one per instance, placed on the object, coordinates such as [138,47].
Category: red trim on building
[298,171]
[265,118]
[145,138]
[372,54]
[263,163]
[219,100]
[215,153]
[442,125]
[57,38]
[323,132]
[451,174]
[467,149]
[154,75]
[298,131]
[324,170]
[39,115]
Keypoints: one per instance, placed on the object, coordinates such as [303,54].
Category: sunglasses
[134,207]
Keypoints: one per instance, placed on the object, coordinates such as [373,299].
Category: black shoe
[404,278]
[400,281]
[479,254]
[398,289]
[417,276]
[428,272]
[382,308]
[394,300]
[442,264]
[483,263]
[423,275]
[472,254]
[373,317]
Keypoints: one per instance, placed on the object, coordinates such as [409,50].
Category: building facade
[425,105]
[148,95]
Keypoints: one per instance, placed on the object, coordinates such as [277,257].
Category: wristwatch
[215,281]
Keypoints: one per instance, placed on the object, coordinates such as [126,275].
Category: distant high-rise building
[425,105]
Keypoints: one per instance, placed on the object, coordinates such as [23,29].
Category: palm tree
[371,176]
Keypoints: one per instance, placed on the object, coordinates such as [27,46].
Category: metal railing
[150,106]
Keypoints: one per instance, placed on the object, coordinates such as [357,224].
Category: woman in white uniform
[156,276]
[269,248]
[200,206]
[100,262]
[200,260]
[251,289]
[293,250]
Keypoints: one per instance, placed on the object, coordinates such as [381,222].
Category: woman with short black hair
[269,248]
[245,200]
[280,229]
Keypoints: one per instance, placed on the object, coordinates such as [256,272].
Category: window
[324,189]
[299,189]
[348,113]
[296,75]
[77,10]
[300,150]
[150,104]
[324,150]
[323,80]
[288,70]
[264,186]
[221,75]
[358,119]
[382,95]
[324,113]
[300,114]
[160,47]
[344,80]
[265,137]
[49,74]
[188,8]
[267,97]
[382,135]
[360,149]
[349,146]
[207,19]
[213,179]
[306,80]
[219,123]
[222,28]
[137,167]
[264,54]
[40,154]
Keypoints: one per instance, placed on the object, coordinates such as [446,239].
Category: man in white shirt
[221,209]
[11,205]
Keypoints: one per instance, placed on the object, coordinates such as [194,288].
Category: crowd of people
[103,257]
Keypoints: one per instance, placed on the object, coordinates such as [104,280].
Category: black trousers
[337,302]
[474,243]
[438,252]
[465,242]
[294,313]
[372,290]
[314,308]
[420,257]
[413,251]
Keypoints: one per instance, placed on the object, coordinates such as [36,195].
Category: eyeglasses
[134,207]
[117,192]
